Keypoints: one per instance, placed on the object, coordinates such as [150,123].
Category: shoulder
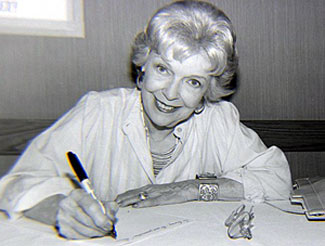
[222,111]
[117,94]
[94,104]
[221,118]
[112,98]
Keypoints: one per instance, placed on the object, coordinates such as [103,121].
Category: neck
[157,133]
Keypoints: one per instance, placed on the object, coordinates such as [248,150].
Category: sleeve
[264,172]
[42,170]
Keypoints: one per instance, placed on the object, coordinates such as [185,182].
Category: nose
[172,90]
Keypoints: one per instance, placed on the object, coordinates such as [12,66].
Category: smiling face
[171,90]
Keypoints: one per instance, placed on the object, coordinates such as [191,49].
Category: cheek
[192,98]
[192,103]
[151,83]
[150,87]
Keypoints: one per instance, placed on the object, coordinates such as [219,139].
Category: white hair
[190,27]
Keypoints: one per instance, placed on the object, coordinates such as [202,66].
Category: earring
[140,76]
[200,109]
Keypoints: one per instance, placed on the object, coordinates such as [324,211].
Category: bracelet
[208,192]
[208,188]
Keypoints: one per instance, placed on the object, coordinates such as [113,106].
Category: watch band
[208,188]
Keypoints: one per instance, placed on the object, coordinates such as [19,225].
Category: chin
[163,124]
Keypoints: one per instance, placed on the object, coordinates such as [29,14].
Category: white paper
[134,225]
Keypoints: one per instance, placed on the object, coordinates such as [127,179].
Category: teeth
[164,107]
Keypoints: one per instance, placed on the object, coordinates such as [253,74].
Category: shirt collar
[181,131]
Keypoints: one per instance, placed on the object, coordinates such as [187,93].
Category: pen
[83,177]
[85,183]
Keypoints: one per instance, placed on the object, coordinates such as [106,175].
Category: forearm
[46,210]
[228,189]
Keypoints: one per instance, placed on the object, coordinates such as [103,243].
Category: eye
[194,83]
[161,69]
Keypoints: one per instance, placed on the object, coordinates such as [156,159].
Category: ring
[143,196]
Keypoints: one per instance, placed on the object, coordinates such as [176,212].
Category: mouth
[162,107]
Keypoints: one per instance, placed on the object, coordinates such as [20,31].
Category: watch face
[208,192]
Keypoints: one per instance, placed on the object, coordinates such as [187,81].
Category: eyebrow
[165,60]
[197,76]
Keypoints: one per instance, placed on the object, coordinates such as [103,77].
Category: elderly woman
[145,146]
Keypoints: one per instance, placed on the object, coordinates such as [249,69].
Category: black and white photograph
[162,122]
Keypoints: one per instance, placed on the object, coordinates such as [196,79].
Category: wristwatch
[208,187]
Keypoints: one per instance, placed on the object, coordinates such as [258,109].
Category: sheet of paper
[134,225]
[27,232]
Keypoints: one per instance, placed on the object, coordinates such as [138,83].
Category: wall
[281,46]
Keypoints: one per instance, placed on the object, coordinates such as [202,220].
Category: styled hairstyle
[190,27]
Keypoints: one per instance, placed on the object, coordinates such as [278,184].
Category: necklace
[161,160]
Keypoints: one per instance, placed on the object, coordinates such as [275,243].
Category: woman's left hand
[160,194]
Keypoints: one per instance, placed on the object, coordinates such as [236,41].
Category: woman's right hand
[80,217]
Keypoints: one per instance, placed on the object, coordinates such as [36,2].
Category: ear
[139,83]
[140,77]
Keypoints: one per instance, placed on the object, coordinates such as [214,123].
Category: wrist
[46,210]
[193,190]
[208,188]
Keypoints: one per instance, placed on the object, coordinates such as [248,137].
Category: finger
[127,196]
[132,194]
[111,210]
[148,203]
[72,208]
[67,232]
[93,209]
[71,228]
[129,201]
[157,201]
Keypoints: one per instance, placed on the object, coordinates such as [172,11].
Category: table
[193,223]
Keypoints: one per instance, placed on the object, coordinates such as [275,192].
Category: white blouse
[105,129]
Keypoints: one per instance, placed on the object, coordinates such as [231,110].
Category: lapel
[134,129]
